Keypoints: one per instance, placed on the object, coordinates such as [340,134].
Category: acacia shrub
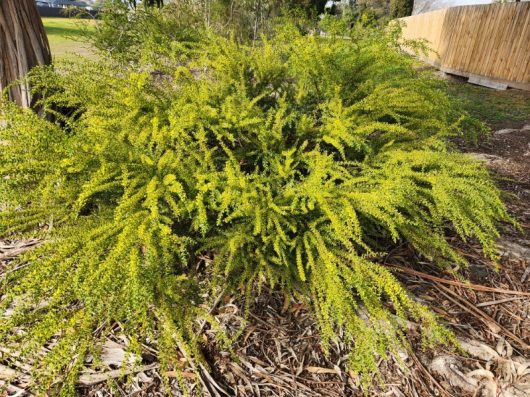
[295,162]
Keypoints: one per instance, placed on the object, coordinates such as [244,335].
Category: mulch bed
[279,351]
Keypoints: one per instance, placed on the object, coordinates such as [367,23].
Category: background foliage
[401,8]
[295,161]
[123,32]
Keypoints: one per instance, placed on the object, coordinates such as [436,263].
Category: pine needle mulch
[279,353]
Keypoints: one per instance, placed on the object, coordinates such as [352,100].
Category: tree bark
[23,45]
[152,3]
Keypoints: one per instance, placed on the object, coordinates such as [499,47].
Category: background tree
[23,45]
[147,3]
[401,8]
[128,33]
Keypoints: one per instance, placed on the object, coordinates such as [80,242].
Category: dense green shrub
[294,163]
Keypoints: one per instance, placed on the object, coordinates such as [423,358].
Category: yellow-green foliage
[295,162]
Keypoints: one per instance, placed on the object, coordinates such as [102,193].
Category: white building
[421,6]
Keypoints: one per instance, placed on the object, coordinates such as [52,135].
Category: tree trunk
[23,45]
[152,3]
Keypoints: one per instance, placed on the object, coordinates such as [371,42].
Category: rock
[526,128]
[505,131]
[478,349]
[447,367]
[513,249]
[7,373]
[403,355]
[486,158]
[114,354]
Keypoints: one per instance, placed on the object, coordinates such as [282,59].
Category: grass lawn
[67,36]
[498,109]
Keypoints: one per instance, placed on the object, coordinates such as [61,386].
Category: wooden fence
[488,42]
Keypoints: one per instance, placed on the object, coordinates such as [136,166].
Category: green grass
[496,108]
[68,36]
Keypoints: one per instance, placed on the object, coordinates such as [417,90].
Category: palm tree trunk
[23,45]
